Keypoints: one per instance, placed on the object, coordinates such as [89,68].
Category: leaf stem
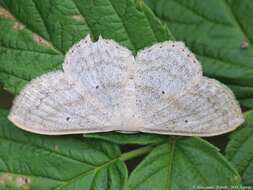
[136,153]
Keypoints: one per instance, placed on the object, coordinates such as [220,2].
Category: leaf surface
[189,163]
[239,149]
[220,33]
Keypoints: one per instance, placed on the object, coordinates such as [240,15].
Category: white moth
[103,87]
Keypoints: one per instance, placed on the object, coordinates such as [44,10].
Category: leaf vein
[241,143]
[201,15]
[237,21]
[33,175]
[224,61]
[43,22]
[28,50]
[47,150]
[83,15]
[99,167]
[194,166]
[48,42]
[124,26]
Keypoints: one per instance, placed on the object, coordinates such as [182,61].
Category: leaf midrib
[170,151]
[170,167]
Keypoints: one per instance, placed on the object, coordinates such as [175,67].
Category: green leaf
[119,138]
[35,35]
[220,33]
[32,161]
[189,163]
[23,53]
[239,149]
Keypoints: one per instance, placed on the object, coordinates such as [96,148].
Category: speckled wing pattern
[103,87]
[174,98]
